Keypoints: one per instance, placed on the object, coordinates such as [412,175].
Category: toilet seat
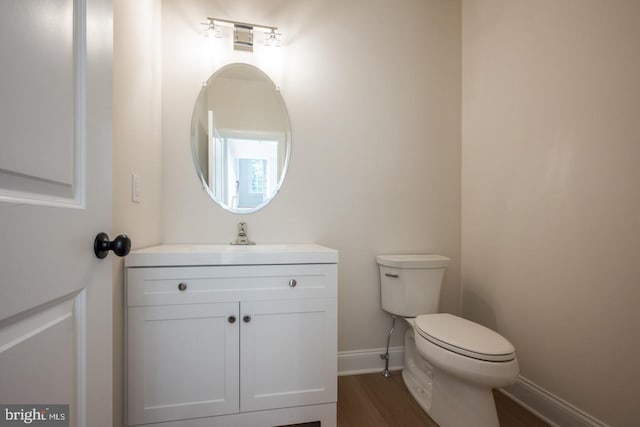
[464,337]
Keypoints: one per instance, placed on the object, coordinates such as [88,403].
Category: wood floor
[371,400]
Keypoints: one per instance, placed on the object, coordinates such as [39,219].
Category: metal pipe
[386,373]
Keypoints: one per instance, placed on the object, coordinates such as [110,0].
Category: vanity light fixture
[242,33]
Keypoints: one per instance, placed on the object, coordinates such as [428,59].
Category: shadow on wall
[478,310]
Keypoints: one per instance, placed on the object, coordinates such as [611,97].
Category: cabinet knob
[293,283]
[231,319]
[246,319]
[182,286]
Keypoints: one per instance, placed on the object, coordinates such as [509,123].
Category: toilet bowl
[450,364]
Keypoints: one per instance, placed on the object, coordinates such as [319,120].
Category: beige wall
[550,169]
[373,92]
[137,148]
[551,192]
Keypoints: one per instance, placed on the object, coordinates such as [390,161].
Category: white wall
[551,194]
[373,93]
[245,105]
[137,148]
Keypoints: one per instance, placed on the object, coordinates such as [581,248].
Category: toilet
[450,363]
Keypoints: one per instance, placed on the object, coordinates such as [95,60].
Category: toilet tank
[410,284]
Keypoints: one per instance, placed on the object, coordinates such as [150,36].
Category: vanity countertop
[192,255]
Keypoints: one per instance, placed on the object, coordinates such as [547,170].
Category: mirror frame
[287,149]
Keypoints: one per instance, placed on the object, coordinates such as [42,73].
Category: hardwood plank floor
[376,401]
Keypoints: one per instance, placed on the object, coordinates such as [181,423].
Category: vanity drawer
[196,285]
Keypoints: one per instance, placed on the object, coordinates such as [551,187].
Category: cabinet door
[289,353]
[183,361]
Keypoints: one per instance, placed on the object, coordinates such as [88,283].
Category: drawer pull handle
[231,319]
[246,319]
[395,276]
[293,283]
[182,286]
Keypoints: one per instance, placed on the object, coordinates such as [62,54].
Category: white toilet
[450,364]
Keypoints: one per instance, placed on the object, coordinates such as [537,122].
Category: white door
[183,361]
[55,196]
[288,353]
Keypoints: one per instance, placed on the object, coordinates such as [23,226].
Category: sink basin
[188,255]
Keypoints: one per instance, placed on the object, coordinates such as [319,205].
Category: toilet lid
[464,337]
[413,261]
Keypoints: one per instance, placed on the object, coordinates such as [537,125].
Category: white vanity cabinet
[221,335]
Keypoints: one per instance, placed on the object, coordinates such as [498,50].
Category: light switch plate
[135,187]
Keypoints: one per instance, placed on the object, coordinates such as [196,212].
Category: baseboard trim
[368,361]
[549,407]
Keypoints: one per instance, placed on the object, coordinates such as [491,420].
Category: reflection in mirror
[240,138]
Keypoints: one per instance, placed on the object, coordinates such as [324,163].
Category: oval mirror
[240,138]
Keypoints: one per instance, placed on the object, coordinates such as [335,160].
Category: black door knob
[120,246]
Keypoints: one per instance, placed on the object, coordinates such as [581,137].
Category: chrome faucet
[242,239]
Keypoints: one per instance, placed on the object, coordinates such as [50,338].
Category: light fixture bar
[242,24]
[242,32]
